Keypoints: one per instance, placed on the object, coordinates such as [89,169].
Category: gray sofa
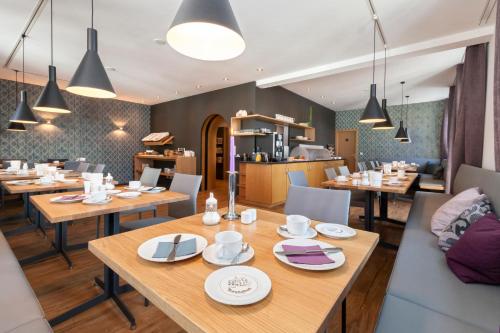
[20,311]
[423,294]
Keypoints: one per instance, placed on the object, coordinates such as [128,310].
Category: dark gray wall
[90,131]
[184,117]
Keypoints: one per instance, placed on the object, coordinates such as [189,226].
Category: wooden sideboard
[266,184]
[183,164]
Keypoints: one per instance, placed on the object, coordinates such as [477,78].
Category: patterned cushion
[456,229]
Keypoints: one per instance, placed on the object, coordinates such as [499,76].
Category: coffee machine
[278,147]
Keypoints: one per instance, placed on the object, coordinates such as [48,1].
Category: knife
[302,252]
[171,256]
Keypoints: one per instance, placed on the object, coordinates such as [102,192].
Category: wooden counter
[266,184]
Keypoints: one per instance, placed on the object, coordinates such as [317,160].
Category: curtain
[496,93]
[445,125]
[466,125]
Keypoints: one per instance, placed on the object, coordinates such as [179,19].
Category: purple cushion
[475,257]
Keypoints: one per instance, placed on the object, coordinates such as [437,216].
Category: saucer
[311,233]
[113,192]
[92,202]
[338,231]
[210,255]
[128,195]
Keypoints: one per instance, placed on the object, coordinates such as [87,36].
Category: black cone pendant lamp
[16,127]
[23,112]
[206,30]
[51,99]
[90,78]
[387,124]
[373,112]
[407,139]
[401,134]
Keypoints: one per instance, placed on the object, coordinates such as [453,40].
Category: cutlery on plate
[283,228]
[244,248]
[171,256]
[301,252]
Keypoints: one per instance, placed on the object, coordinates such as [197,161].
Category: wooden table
[59,214]
[370,198]
[300,301]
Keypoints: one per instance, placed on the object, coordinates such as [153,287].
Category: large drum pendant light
[51,99]
[23,112]
[373,112]
[16,127]
[206,30]
[387,124]
[90,78]
[401,134]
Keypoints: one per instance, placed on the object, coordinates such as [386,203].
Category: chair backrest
[329,206]
[150,176]
[187,184]
[330,173]
[371,165]
[83,167]
[99,168]
[344,170]
[297,178]
[361,166]
[377,163]
[72,165]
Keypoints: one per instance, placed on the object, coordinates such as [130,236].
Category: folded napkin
[317,258]
[184,248]
[72,197]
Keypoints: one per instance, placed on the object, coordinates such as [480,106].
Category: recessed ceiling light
[110,68]
[333,102]
[177,92]
[198,86]
[308,89]
[160,41]
[226,79]
[323,97]
[157,97]
[260,69]
[49,122]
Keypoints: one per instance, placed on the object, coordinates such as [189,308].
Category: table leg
[384,203]
[369,198]
[110,283]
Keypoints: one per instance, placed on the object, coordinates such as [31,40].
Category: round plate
[311,233]
[128,195]
[92,202]
[209,254]
[133,188]
[393,184]
[56,199]
[154,190]
[147,249]
[21,182]
[338,256]
[338,231]
[113,192]
[238,285]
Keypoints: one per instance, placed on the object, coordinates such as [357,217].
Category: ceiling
[283,37]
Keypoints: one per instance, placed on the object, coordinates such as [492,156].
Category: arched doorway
[214,151]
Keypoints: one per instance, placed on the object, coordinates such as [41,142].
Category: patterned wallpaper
[90,131]
[424,121]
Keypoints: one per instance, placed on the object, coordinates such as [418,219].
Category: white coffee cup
[98,196]
[297,224]
[341,178]
[356,175]
[86,187]
[401,173]
[134,184]
[228,244]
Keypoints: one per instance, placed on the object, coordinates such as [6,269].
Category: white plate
[333,230]
[338,256]
[21,182]
[128,195]
[209,254]
[55,200]
[113,192]
[311,233]
[92,202]
[257,285]
[154,190]
[135,188]
[393,184]
[147,249]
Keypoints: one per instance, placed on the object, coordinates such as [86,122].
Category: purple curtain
[496,93]
[466,125]
[445,125]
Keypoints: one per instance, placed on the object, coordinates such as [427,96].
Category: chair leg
[155,212]
[98,227]
[344,315]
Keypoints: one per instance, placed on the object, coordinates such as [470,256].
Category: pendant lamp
[401,134]
[23,112]
[206,30]
[387,124]
[373,113]
[51,99]
[90,78]
[407,139]
[16,127]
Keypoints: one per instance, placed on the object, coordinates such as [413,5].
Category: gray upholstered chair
[71,165]
[182,183]
[330,173]
[344,170]
[371,165]
[99,168]
[297,178]
[83,167]
[329,206]
[377,163]
[149,177]
[362,166]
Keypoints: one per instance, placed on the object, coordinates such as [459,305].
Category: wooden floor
[60,289]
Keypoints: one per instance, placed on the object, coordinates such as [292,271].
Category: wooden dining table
[299,301]
[371,192]
[60,213]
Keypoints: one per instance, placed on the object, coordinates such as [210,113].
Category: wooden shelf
[166,141]
[156,157]
[249,134]
[271,120]
[301,140]
[183,164]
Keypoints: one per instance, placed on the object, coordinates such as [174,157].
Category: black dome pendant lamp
[23,112]
[407,139]
[90,78]
[373,113]
[401,134]
[51,99]
[387,124]
[16,127]
[206,30]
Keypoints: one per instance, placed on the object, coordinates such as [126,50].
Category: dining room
[249,166]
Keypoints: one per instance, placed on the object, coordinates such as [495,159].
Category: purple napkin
[310,258]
